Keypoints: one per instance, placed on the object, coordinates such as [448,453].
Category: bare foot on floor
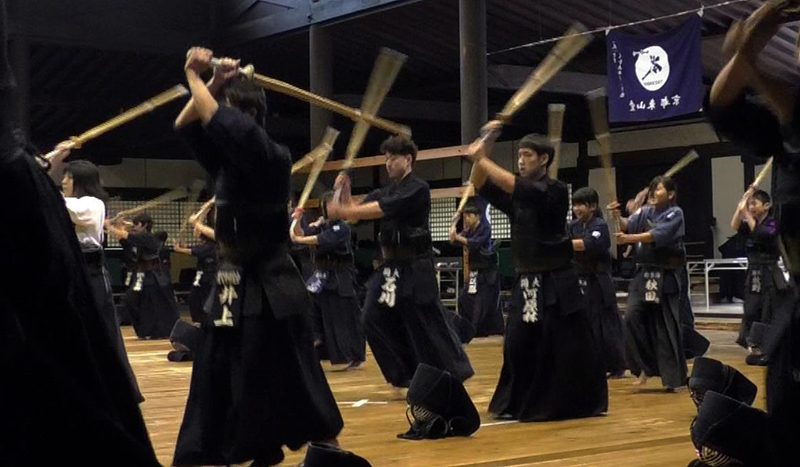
[641,380]
[397,393]
[354,366]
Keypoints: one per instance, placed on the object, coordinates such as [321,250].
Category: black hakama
[404,319]
[406,323]
[206,254]
[104,300]
[594,266]
[480,304]
[129,272]
[764,280]
[338,329]
[606,321]
[550,366]
[551,369]
[150,299]
[151,303]
[654,338]
[257,384]
[764,286]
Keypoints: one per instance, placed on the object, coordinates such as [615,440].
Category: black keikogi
[479,301]
[754,128]
[65,394]
[550,365]
[206,254]
[594,274]
[151,301]
[764,280]
[337,316]
[257,384]
[404,319]
[654,340]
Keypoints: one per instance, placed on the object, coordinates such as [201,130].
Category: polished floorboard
[644,426]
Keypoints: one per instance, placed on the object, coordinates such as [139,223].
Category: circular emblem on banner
[652,67]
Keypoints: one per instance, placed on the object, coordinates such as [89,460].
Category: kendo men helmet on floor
[185,339]
[438,406]
[324,455]
[728,433]
[712,375]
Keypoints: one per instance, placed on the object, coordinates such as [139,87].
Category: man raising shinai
[404,319]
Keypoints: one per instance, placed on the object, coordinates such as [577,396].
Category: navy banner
[657,76]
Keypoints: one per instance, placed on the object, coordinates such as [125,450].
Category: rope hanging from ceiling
[606,29]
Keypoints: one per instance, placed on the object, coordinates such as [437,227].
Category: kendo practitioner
[165,251]
[151,300]
[694,343]
[85,200]
[206,253]
[338,330]
[551,369]
[654,337]
[404,319]
[65,393]
[257,384]
[764,128]
[129,271]
[764,278]
[479,301]
[591,242]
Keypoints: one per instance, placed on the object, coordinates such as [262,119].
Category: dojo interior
[81,63]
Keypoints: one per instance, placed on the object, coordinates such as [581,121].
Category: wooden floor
[644,427]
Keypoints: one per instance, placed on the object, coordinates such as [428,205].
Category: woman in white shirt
[85,199]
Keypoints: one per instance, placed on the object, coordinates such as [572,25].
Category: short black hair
[586,196]
[327,197]
[762,196]
[540,144]
[246,96]
[669,185]
[211,217]
[145,220]
[85,180]
[401,146]
[472,209]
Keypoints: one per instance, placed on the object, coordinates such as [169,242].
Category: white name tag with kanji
[755,281]
[228,282]
[531,288]
[472,287]
[137,287]
[389,288]
[652,286]
[583,283]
